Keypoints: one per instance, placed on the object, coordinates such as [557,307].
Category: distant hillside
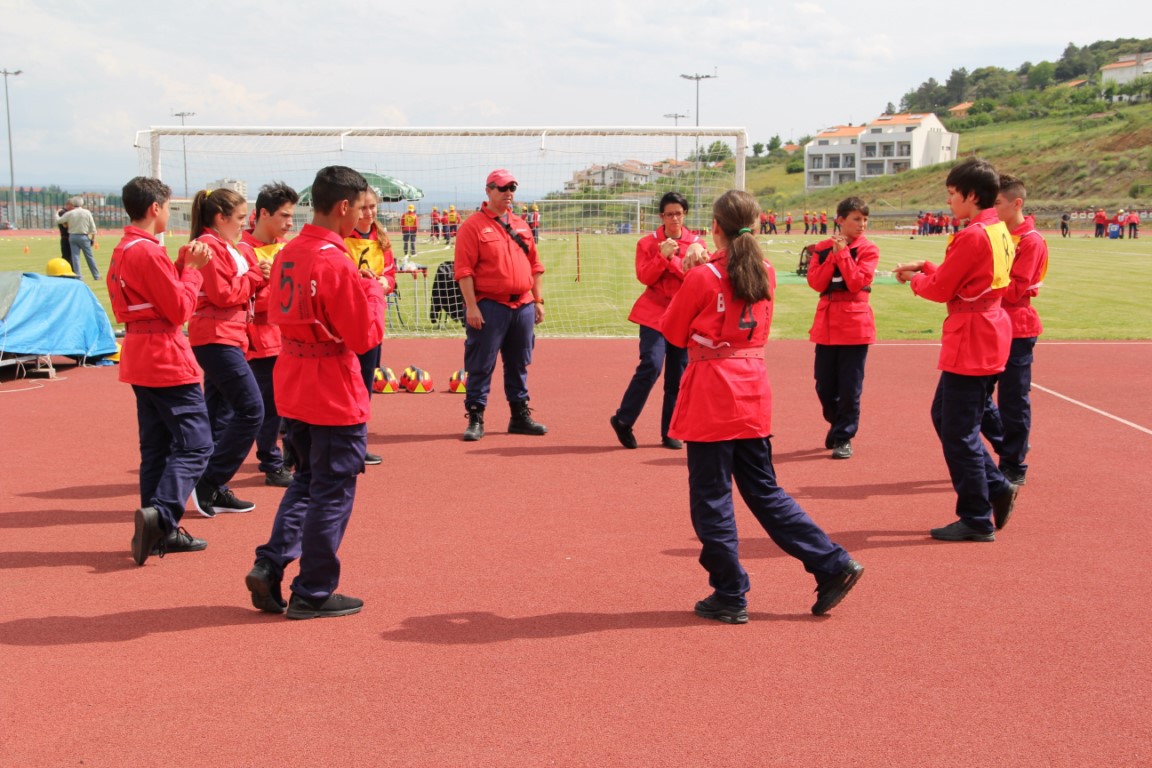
[1103,160]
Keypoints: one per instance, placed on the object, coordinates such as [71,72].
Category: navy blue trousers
[1008,422]
[957,413]
[314,512]
[369,362]
[839,372]
[235,408]
[175,443]
[711,467]
[655,352]
[512,334]
[267,437]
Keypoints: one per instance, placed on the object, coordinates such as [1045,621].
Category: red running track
[529,599]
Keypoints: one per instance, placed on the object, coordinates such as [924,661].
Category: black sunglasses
[506,188]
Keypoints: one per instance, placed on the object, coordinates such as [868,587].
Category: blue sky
[95,73]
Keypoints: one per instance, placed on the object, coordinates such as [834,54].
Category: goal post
[596,190]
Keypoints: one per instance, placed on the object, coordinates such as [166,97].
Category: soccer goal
[596,191]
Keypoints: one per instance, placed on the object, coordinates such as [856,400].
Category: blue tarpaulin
[54,316]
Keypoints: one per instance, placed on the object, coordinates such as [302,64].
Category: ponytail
[209,203]
[735,213]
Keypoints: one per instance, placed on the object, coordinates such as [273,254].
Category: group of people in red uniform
[444,224]
[929,223]
[316,305]
[1129,220]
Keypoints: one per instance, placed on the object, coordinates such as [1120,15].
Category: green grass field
[1095,289]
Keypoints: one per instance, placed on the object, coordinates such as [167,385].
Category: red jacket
[500,269]
[263,336]
[153,300]
[327,315]
[723,396]
[1028,270]
[977,333]
[844,280]
[662,276]
[225,304]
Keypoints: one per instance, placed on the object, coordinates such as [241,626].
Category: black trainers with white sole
[333,605]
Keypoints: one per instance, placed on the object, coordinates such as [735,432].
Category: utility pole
[696,194]
[11,166]
[675,116]
[184,145]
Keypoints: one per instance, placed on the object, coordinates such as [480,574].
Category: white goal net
[596,191]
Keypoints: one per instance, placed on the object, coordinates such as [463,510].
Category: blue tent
[42,315]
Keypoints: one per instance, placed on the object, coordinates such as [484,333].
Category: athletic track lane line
[1125,422]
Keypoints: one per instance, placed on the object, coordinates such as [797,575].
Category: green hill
[1068,163]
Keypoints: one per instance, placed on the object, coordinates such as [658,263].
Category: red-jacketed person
[974,346]
[218,332]
[842,269]
[722,315]
[1008,423]
[328,312]
[154,300]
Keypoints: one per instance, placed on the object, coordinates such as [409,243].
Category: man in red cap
[499,275]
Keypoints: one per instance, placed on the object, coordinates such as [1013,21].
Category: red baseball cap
[500,177]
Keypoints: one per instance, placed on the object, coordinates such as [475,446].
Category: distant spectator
[1101,221]
[65,246]
[1065,225]
[1133,225]
[81,235]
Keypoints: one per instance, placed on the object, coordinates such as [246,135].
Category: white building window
[816,161]
[874,169]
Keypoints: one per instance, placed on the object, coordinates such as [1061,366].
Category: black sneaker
[202,496]
[225,501]
[522,422]
[830,590]
[475,429]
[712,607]
[1014,476]
[842,450]
[671,443]
[1003,505]
[263,581]
[281,478]
[961,531]
[147,534]
[179,541]
[333,605]
[623,432]
[372,459]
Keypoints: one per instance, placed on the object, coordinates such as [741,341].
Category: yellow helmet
[435,208]
[59,267]
[535,207]
[451,207]
[411,207]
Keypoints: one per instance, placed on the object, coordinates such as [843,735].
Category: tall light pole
[675,117]
[696,186]
[11,166]
[184,145]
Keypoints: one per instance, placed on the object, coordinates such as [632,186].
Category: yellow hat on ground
[59,267]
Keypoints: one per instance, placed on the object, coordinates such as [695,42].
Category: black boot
[522,423]
[475,429]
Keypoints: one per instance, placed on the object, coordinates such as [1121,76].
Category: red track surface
[529,599]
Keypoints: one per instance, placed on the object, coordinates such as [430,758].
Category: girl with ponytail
[218,333]
[722,315]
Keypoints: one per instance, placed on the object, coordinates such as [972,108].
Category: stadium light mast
[11,166]
[184,145]
[675,117]
[696,194]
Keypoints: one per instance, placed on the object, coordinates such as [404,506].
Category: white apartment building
[886,145]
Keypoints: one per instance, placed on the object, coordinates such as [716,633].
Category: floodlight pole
[11,165]
[696,193]
[675,117]
[184,146]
